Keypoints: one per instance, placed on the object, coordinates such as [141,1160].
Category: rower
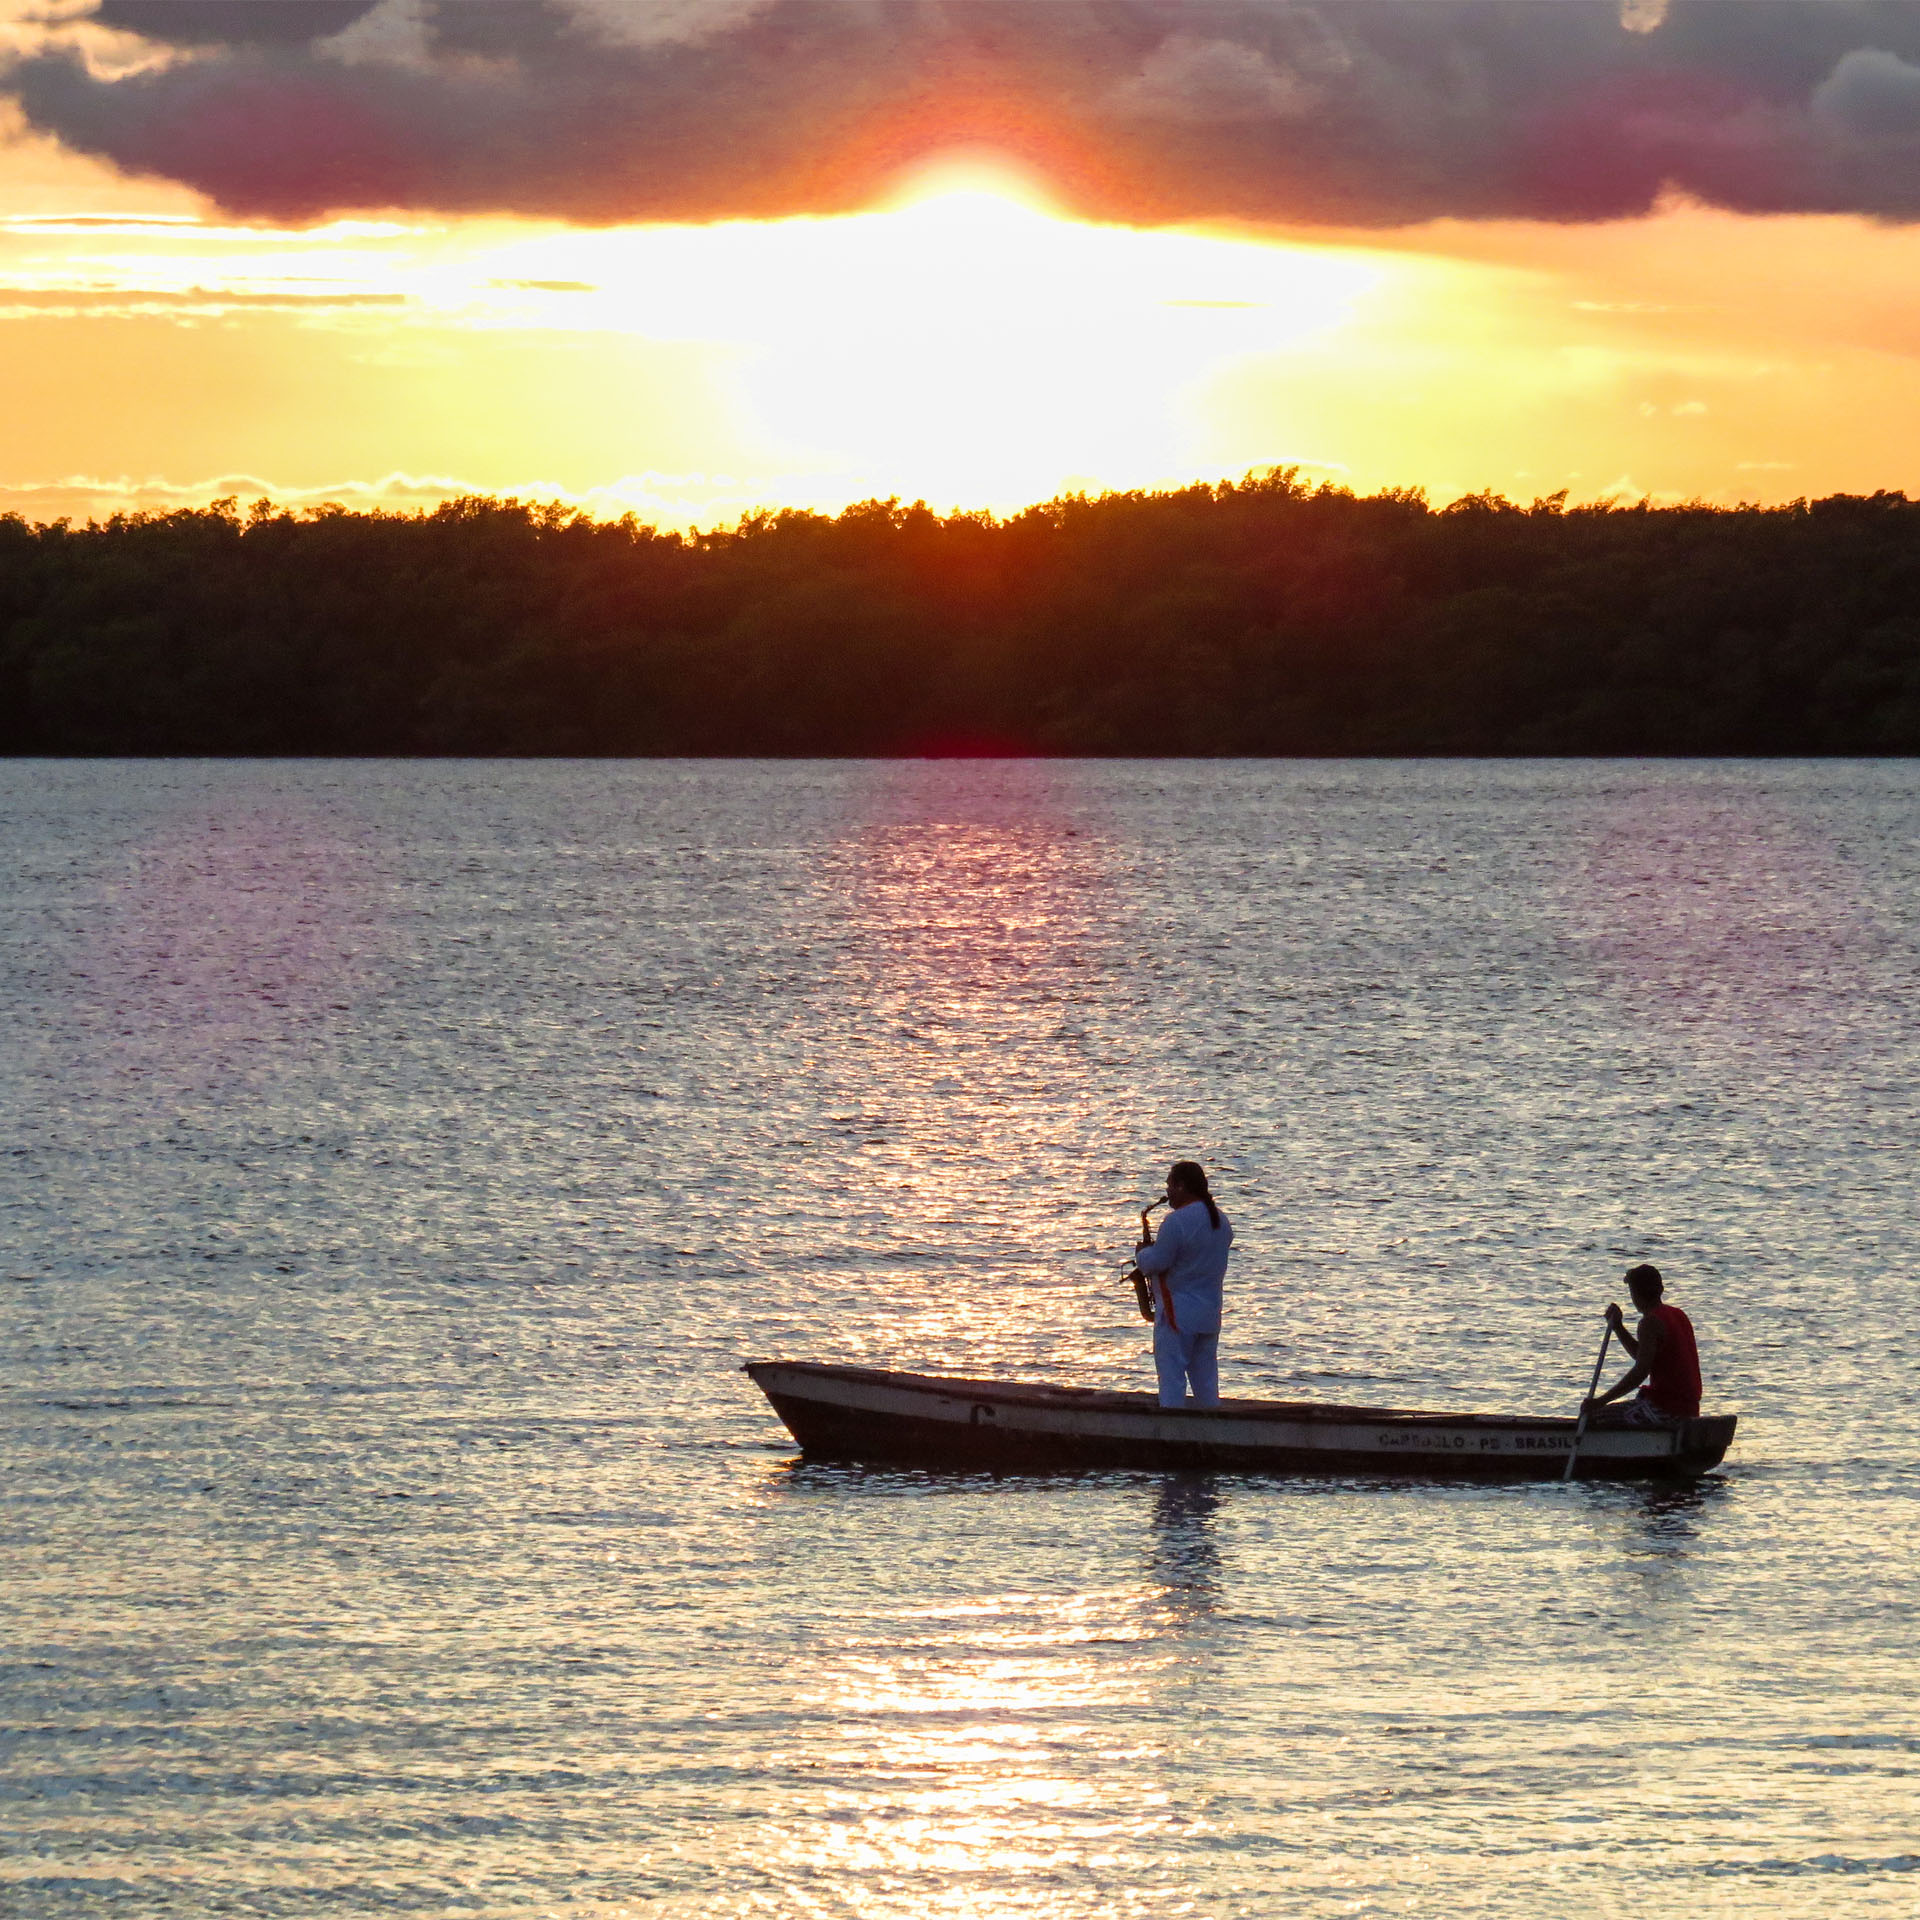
[1666,1362]
[1188,1268]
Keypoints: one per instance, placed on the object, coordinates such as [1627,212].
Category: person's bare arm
[1646,1351]
[1618,1322]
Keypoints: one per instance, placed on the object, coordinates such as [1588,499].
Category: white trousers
[1180,1358]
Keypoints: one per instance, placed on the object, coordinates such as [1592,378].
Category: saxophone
[1141,1293]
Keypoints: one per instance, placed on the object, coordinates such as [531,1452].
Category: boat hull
[867,1414]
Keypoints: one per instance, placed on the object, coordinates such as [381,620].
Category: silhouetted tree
[1263,616]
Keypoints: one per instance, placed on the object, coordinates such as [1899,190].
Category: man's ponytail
[1192,1176]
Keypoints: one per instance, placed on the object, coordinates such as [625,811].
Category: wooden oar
[1593,1387]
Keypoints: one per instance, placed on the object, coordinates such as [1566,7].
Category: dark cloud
[1375,112]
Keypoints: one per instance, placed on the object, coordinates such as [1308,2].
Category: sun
[964,341]
[969,342]
[970,174]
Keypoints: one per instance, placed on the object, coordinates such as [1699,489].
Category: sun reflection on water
[999,1751]
[411,1542]
[982,932]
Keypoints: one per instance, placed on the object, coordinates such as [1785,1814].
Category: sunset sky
[690,257]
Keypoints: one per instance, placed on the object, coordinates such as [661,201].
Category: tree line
[1264,616]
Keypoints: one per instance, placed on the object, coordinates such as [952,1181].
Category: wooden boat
[868,1414]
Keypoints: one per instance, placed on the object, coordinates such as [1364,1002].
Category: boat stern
[1702,1443]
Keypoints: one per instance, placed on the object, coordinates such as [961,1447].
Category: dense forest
[1264,617]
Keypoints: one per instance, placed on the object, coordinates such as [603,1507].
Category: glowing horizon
[962,341]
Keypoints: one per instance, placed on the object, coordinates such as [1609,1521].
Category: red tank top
[1674,1384]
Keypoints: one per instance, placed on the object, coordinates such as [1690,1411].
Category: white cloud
[658,23]
[681,500]
[393,34]
[1870,96]
[1211,83]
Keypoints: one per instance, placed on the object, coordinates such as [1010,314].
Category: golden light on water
[965,1730]
[978,911]
[425,1226]
[1002,1750]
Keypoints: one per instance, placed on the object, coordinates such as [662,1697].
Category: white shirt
[1190,1261]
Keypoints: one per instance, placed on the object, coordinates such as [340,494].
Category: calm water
[401,1159]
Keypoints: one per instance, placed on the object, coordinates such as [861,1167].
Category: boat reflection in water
[1186,1556]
